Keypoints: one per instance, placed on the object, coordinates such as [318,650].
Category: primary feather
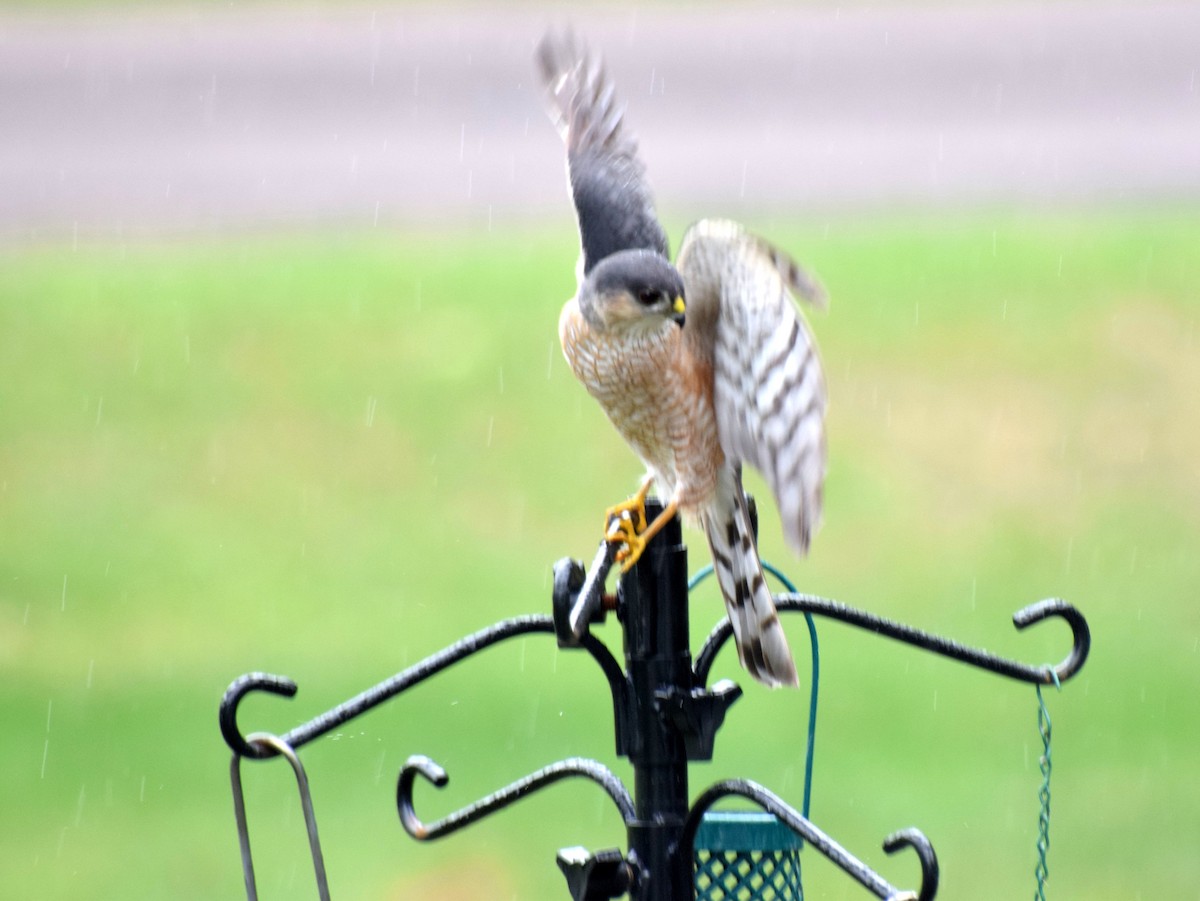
[613,204]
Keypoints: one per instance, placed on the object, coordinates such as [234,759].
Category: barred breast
[654,397]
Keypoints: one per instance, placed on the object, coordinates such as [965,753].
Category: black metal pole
[653,608]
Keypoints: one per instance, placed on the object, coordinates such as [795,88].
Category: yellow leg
[626,525]
[629,514]
[636,544]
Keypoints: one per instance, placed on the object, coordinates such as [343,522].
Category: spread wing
[608,182]
[768,387]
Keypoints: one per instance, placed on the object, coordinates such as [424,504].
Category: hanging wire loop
[272,745]
[1027,616]
[847,862]
[419,765]
[372,697]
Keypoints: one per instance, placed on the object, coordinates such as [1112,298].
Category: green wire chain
[1042,871]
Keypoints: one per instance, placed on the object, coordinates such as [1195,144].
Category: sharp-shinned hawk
[736,379]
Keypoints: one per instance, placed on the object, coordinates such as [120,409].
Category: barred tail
[761,643]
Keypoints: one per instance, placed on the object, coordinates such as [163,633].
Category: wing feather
[613,203]
[768,386]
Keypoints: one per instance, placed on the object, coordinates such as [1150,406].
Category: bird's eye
[648,297]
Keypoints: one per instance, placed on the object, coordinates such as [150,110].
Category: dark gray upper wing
[608,182]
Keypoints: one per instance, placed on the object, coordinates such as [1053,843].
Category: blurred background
[280,389]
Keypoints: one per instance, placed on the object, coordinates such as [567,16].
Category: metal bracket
[595,877]
[390,688]
[1043,674]
[698,714]
[579,600]
[419,765]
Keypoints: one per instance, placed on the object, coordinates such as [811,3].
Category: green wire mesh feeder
[746,857]
[665,716]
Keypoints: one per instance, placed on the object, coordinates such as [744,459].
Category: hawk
[702,366]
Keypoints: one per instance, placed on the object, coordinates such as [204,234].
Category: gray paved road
[137,122]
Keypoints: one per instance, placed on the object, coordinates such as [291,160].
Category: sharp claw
[624,522]
[629,555]
[632,511]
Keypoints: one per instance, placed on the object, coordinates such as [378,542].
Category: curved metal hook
[389,688]
[419,765]
[1081,636]
[930,873]
[242,686]
[864,875]
[1027,616]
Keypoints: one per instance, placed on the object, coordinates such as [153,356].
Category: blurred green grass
[329,457]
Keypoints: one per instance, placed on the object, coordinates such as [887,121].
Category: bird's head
[631,289]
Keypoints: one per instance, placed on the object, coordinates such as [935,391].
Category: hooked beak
[679,308]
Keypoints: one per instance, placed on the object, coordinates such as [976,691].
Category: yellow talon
[625,524]
[633,544]
[629,516]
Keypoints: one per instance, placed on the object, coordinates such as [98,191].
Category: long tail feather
[761,643]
